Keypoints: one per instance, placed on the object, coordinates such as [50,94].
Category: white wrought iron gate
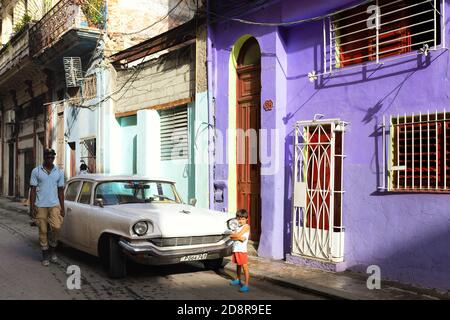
[317,228]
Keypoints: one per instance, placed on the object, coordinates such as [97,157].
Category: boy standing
[240,257]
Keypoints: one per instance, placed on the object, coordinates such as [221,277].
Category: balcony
[13,54]
[62,31]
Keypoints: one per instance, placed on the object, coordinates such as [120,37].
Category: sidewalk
[345,285]
[9,204]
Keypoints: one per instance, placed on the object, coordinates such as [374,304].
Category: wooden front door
[28,167]
[11,174]
[248,164]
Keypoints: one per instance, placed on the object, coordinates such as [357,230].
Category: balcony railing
[64,16]
[12,53]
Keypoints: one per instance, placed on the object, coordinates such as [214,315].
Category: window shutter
[174,133]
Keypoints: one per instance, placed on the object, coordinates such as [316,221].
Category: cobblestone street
[23,277]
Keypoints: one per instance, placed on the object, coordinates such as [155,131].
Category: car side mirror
[193,202]
[99,202]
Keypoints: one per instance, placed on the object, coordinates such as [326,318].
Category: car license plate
[194,257]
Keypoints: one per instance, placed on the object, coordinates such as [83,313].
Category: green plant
[93,10]
[26,18]
[47,5]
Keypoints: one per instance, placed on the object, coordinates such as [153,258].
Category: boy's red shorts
[240,258]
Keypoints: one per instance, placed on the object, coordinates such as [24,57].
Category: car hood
[177,220]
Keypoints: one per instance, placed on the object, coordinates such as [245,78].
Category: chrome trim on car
[154,251]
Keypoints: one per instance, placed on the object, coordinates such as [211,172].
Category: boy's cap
[49,151]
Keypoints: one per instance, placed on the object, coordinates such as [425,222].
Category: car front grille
[186,241]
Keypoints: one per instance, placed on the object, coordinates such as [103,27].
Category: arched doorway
[248,124]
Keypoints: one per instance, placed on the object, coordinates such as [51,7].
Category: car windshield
[136,191]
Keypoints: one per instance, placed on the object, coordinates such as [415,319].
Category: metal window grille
[351,36]
[88,153]
[419,153]
[174,133]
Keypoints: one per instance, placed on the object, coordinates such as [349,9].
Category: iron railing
[64,16]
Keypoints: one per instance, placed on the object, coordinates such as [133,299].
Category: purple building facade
[388,219]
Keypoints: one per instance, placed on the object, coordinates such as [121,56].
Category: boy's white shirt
[241,246]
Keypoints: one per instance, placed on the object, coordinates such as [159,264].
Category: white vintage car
[115,217]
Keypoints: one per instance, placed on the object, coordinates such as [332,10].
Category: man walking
[47,204]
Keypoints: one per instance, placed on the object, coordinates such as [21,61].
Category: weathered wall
[166,79]
[130,23]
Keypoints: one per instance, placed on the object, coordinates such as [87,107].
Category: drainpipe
[211,107]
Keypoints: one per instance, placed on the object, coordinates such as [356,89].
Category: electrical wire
[290,23]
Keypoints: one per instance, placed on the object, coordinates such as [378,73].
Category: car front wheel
[117,260]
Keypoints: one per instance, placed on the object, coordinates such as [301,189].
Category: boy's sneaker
[244,288]
[45,256]
[235,282]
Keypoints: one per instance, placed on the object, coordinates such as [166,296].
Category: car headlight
[233,224]
[140,228]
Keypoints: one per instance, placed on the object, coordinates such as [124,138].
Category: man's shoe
[235,282]
[53,257]
[45,256]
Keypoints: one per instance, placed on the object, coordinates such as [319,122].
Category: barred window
[405,26]
[88,154]
[420,153]
[174,133]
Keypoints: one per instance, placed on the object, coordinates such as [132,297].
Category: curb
[18,208]
[300,285]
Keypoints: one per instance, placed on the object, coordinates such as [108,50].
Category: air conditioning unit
[10,116]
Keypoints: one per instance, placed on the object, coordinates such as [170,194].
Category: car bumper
[151,255]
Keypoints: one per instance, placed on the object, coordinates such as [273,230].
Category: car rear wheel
[213,264]
[117,260]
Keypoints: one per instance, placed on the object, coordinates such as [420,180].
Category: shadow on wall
[375,114]
[365,73]
[288,172]
[423,262]
[352,76]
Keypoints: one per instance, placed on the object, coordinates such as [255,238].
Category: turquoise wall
[129,132]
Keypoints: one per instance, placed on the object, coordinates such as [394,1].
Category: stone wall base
[317,264]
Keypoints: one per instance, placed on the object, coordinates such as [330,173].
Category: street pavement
[23,277]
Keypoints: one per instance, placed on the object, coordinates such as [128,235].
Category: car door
[81,210]
[68,228]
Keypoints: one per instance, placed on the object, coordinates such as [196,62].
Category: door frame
[11,168]
[231,133]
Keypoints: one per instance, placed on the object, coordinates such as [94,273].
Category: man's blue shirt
[47,186]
